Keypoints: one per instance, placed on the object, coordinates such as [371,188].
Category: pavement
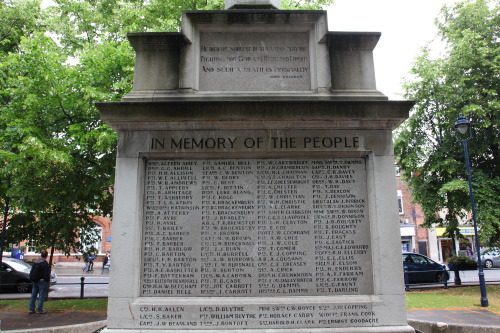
[427,321]
[85,322]
[481,317]
[88,322]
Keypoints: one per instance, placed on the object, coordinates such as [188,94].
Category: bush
[461,263]
[461,260]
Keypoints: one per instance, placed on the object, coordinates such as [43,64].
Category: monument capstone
[255,187]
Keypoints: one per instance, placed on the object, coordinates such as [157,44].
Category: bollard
[445,278]
[82,283]
[458,281]
[407,280]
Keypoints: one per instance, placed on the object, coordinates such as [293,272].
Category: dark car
[423,269]
[15,274]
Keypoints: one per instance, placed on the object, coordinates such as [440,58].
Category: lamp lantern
[462,126]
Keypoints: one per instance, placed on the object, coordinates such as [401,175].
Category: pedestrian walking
[91,261]
[85,268]
[106,263]
[40,276]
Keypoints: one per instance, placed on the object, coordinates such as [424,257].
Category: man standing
[40,287]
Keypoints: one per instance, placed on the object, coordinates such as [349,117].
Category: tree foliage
[55,63]
[17,19]
[464,80]
[59,156]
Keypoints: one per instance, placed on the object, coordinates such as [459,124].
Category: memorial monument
[255,187]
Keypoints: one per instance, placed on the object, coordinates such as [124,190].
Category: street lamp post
[463,132]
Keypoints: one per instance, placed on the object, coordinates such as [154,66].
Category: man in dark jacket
[40,287]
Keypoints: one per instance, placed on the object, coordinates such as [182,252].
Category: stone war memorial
[255,183]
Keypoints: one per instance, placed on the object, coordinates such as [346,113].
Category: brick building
[104,226]
[413,237]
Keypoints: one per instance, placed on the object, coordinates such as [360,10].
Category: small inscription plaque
[272,61]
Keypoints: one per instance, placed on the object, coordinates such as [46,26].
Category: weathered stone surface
[229,4]
[255,187]
[255,62]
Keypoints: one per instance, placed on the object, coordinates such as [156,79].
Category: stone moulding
[254,109]
[387,113]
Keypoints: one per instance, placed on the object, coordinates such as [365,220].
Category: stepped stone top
[252,4]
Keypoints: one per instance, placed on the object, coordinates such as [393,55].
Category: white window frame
[400,203]
[98,244]
[30,246]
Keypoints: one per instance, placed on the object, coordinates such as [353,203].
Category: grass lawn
[59,305]
[453,298]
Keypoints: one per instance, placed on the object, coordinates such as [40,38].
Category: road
[70,286]
[490,275]
[96,285]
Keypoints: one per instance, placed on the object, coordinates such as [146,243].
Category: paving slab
[17,320]
[481,317]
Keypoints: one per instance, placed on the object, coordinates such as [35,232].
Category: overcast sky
[406,26]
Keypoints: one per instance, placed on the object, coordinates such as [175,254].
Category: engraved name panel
[256,227]
[270,61]
[263,316]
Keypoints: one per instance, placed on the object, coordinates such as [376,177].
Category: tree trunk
[52,248]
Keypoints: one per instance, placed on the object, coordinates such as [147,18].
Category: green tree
[17,19]
[464,80]
[59,156]
[55,63]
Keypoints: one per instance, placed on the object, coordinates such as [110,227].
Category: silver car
[489,257]
[15,274]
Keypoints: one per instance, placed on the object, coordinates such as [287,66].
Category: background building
[413,237]
[104,226]
[427,241]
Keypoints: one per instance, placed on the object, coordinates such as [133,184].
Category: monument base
[380,329]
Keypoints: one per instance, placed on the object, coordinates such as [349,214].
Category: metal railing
[407,274]
[445,284]
[82,284]
[457,281]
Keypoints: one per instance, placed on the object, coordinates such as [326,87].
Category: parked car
[423,269]
[489,257]
[15,274]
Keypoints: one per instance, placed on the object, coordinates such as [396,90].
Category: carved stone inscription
[255,316]
[268,61]
[256,227]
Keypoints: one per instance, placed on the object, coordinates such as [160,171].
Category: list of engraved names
[256,227]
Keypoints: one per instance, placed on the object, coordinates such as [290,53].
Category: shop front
[407,237]
[448,246]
